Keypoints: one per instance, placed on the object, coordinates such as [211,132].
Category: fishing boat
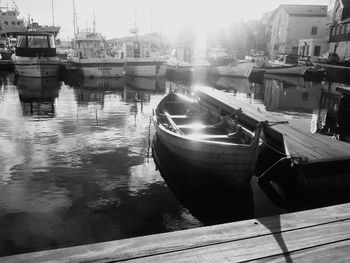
[195,135]
[233,69]
[12,23]
[188,63]
[223,64]
[142,55]
[90,56]
[35,55]
[91,59]
[178,69]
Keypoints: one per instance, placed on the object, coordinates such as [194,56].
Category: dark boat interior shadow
[206,197]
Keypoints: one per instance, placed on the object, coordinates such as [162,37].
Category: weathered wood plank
[333,252]
[218,236]
[278,244]
[297,134]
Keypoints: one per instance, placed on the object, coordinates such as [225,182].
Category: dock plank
[299,139]
[253,239]
[257,248]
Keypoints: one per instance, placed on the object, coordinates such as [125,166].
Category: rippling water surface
[76,162]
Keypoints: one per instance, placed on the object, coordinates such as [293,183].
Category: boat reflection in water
[38,95]
[208,199]
[139,89]
[93,90]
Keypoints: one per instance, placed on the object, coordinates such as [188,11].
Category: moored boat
[145,67]
[194,134]
[285,65]
[35,55]
[223,64]
[91,59]
[143,58]
[234,69]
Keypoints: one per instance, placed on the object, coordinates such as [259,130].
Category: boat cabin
[33,44]
[89,45]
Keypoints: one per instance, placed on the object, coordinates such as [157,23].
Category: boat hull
[145,67]
[36,67]
[242,69]
[283,70]
[233,163]
[100,67]
[179,70]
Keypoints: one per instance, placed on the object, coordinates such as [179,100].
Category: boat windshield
[90,44]
[36,41]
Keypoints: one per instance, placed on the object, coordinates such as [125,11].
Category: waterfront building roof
[305,10]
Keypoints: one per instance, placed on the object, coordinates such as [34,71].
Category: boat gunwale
[189,138]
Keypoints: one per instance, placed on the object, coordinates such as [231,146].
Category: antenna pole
[151,18]
[74,24]
[94,24]
[53,14]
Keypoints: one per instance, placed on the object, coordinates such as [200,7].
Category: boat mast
[74,23]
[53,14]
[94,24]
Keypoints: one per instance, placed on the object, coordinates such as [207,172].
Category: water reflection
[210,200]
[93,91]
[38,95]
[83,176]
[87,175]
[292,95]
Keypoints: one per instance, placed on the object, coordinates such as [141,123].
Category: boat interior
[191,120]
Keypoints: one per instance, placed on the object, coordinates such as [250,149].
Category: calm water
[76,163]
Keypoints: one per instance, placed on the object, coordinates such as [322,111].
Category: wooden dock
[297,138]
[320,235]
[310,169]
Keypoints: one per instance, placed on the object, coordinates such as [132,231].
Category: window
[13,23]
[314,30]
[18,23]
[317,50]
[338,14]
[332,31]
[37,42]
[21,41]
[6,23]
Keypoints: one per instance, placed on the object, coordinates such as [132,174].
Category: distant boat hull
[99,67]
[241,69]
[36,67]
[286,70]
[145,67]
[179,69]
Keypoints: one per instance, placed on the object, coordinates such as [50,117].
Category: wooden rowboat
[206,139]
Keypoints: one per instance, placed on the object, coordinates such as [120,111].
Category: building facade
[339,33]
[313,48]
[290,23]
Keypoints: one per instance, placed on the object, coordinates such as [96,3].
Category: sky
[115,18]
